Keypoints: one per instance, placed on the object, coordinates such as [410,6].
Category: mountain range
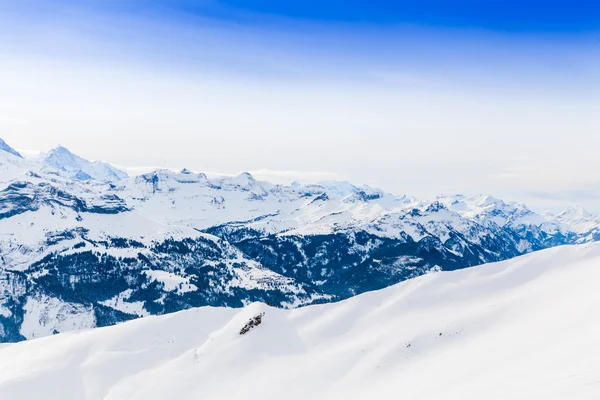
[84,245]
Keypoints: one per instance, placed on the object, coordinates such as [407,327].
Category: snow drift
[527,328]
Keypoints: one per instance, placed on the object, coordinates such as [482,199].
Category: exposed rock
[253,323]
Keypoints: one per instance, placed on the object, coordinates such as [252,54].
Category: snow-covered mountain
[521,329]
[579,220]
[75,167]
[78,253]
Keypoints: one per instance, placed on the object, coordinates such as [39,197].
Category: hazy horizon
[290,177]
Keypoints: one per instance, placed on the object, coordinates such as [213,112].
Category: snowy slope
[13,166]
[5,147]
[79,168]
[525,329]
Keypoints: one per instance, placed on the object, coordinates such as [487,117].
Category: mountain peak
[5,147]
[576,211]
[489,201]
[246,175]
[245,179]
[76,167]
[434,207]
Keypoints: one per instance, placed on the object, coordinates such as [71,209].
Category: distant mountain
[79,168]
[5,147]
[91,249]
[579,219]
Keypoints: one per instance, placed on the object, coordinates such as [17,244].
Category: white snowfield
[527,328]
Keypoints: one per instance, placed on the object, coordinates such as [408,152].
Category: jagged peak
[484,200]
[245,180]
[61,150]
[575,212]
[435,207]
[76,167]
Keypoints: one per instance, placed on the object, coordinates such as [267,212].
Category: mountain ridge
[104,252]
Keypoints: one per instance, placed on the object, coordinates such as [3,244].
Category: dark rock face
[253,323]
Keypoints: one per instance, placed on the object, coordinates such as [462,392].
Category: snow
[120,303]
[171,282]
[580,220]
[4,311]
[525,329]
[12,166]
[46,315]
[24,236]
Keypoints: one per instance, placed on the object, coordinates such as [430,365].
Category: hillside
[527,328]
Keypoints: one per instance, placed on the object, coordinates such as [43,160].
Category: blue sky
[420,97]
[504,15]
[516,38]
